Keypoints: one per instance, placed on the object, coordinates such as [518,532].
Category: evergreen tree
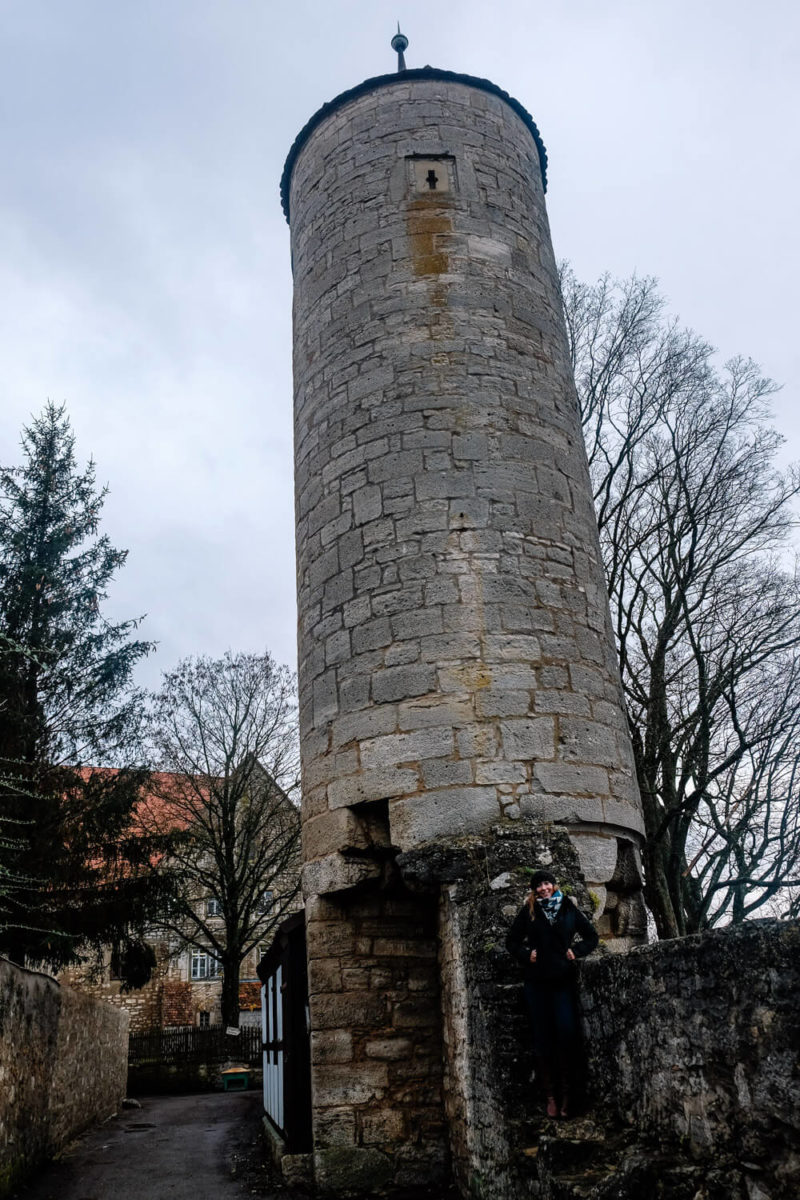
[75,871]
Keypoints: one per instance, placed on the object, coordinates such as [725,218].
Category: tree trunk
[230,992]
[657,891]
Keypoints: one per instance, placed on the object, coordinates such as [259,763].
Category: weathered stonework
[481,882]
[456,658]
[63,1067]
[376,1045]
[693,1047]
[457,672]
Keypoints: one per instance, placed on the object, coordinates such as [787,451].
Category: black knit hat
[542,877]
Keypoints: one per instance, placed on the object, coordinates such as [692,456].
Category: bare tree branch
[694,521]
[224,735]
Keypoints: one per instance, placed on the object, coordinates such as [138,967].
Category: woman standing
[541,940]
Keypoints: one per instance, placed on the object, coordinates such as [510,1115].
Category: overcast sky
[144,257]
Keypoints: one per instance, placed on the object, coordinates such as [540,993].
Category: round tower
[456,659]
[457,669]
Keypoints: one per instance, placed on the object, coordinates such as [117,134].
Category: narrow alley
[200,1147]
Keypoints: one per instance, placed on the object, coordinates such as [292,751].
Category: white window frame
[204,965]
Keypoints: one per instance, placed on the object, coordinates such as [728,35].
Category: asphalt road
[205,1147]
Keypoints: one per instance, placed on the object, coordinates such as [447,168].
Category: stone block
[598,856]
[497,771]
[565,810]
[423,979]
[355,979]
[378,784]
[528,738]
[396,947]
[297,1170]
[623,815]
[473,445]
[336,873]
[578,780]
[331,1046]
[331,937]
[442,811]
[351,1170]
[333,831]
[514,677]
[389,1049]
[561,702]
[516,646]
[440,772]
[385,1126]
[349,1010]
[419,1012]
[371,635]
[365,724]
[398,748]
[354,1083]
[477,741]
[324,975]
[434,709]
[401,683]
[455,646]
[587,742]
[319,908]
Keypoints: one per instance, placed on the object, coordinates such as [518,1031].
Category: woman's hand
[570,956]
[533,956]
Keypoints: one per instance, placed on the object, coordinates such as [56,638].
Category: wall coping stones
[379,81]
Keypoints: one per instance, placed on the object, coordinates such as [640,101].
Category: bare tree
[224,736]
[694,520]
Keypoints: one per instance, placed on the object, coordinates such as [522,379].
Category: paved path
[203,1147]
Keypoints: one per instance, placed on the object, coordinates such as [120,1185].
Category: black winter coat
[550,940]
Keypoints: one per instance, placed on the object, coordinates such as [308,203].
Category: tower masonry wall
[456,661]
[458,683]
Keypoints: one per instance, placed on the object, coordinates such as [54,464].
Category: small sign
[232,1031]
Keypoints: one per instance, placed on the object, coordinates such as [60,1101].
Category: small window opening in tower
[435,173]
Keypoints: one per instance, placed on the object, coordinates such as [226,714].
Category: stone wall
[63,1067]
[695,1042]
[376,1051]
[487,1064]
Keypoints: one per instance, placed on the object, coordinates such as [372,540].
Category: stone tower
[458,680]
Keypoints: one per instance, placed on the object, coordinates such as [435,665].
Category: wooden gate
[284,1030]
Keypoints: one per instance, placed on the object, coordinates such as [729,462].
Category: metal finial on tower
[400,44]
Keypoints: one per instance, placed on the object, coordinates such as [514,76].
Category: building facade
[185,988]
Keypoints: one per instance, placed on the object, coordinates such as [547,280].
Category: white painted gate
[272,1036]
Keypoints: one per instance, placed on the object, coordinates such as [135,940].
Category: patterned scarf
[550,907]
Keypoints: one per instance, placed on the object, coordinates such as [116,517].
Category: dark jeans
[554,1019]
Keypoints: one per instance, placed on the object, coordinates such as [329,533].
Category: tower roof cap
[379,81]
